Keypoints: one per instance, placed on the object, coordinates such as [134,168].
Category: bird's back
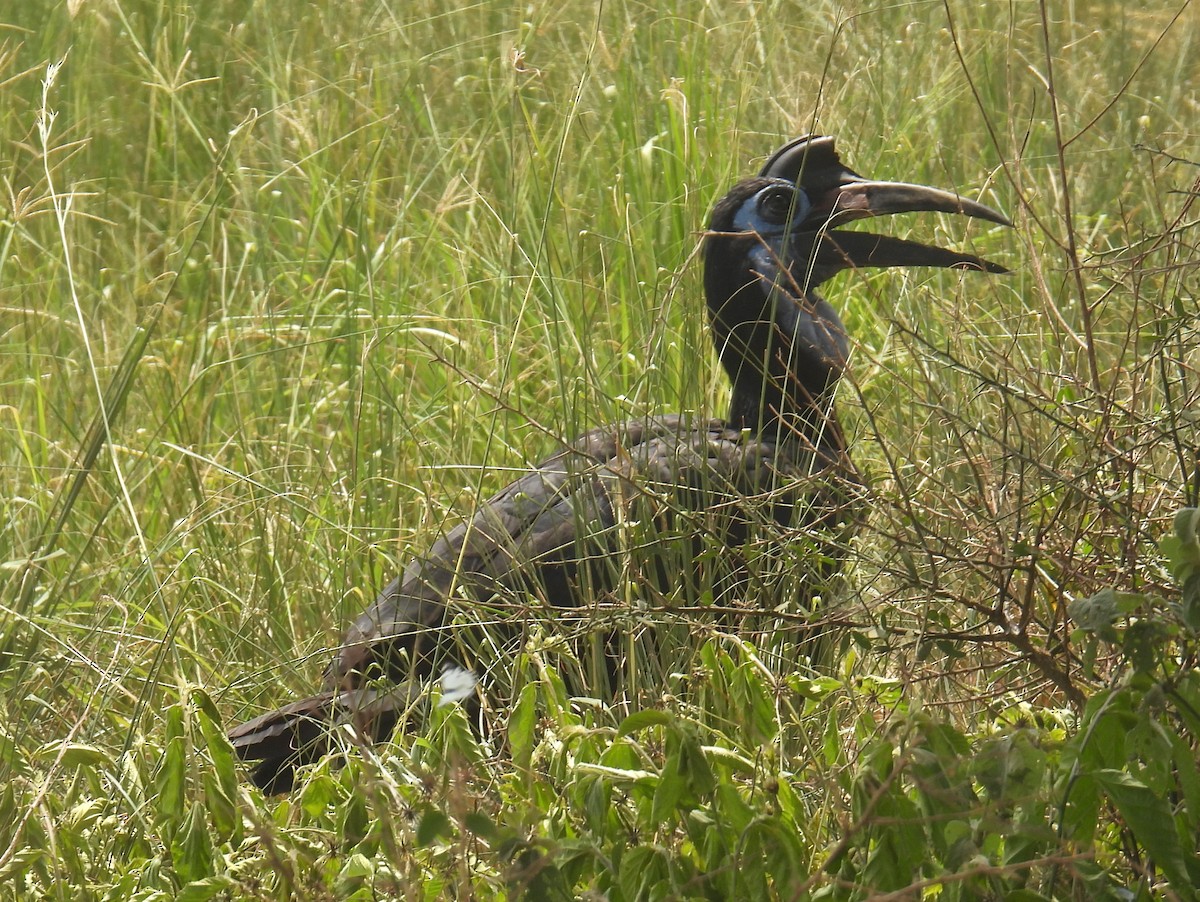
[640,492]
[669,504]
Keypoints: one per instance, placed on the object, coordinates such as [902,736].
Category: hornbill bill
[771,241]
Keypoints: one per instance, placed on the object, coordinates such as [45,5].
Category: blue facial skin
[780,215]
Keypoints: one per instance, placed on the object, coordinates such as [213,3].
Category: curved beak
[855,199]
[840,195]
[840,250]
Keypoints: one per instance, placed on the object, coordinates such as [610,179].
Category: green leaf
[1152,823]
[75,754]
[1187,773]
[641,868]
[319,794]
[434,825]
[671,788]
[223,810]
[732,809]
[21,862]
[899,849]
[1011,768]
[521,726]
[694,766]
[1080,815]
[640,720]
[356,870]
[1145,642]
[216,742]
[480,824]
[535,876]
[12,755]
[1183,547]
[1182,550]
[203,890]
[814,689]
[192,850]
[220,780]
[355,820]
[780,851]
[1191,602]
[1108,717]
[755,704]
[1187,527]
[597,803]
[171,779]
[1098,613]
[1186,698]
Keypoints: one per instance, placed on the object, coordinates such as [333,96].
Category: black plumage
[780,456]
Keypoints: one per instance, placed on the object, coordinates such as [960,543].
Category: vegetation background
[286,287]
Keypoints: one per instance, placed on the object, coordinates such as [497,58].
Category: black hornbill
[770,242]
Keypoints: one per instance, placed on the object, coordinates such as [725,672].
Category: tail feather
[304,731]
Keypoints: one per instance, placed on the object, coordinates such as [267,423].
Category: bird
[780,455]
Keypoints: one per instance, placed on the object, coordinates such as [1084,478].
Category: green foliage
[285,288]
[1138,744]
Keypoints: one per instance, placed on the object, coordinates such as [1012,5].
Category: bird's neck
[780,417]
[783,353]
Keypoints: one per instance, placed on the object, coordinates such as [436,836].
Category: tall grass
[287,288]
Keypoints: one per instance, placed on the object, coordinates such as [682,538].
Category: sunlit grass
[286,289]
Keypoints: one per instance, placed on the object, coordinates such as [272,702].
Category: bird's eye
[779,204]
